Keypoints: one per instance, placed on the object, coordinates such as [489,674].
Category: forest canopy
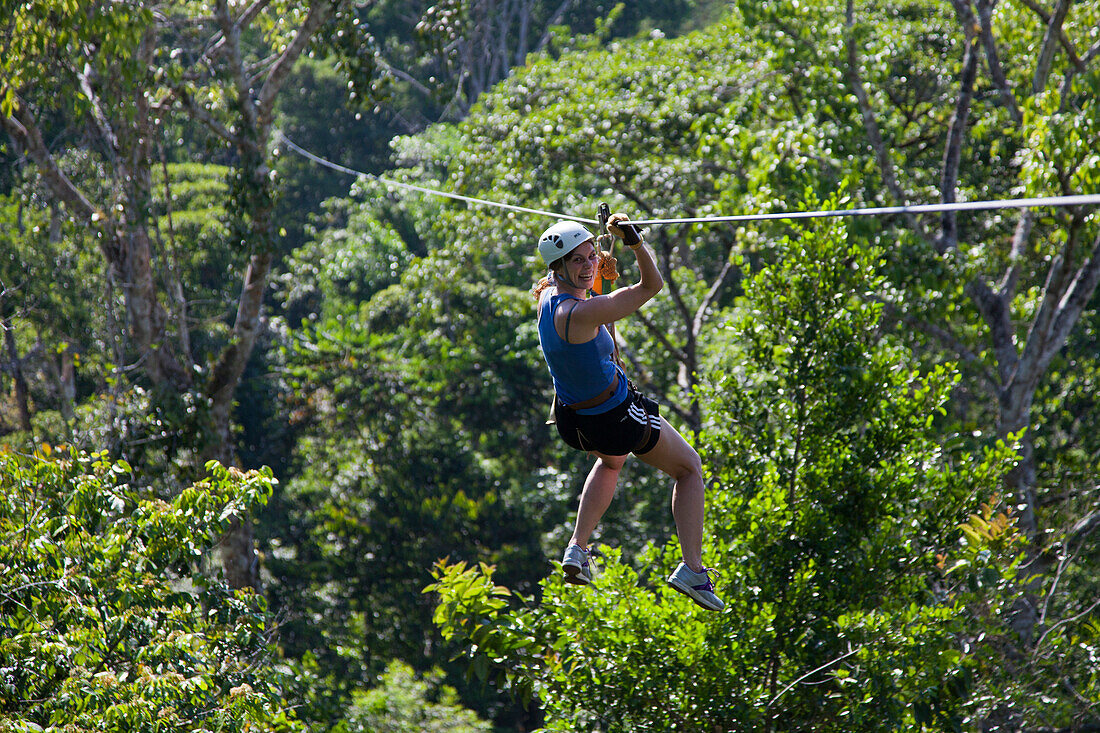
[274,453]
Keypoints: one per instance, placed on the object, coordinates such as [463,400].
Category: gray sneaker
[576,567]
[696,586]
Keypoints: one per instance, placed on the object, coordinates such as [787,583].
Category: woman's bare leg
[599,489]
[678,459]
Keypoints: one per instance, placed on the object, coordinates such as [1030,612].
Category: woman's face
[581,265]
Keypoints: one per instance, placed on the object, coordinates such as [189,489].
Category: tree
[393,469]
[833,518]
[1048,118]
[106,617]
[403,704]
[129,68]
[964,101]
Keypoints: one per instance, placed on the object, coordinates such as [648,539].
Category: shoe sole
[573,575]
[694,600]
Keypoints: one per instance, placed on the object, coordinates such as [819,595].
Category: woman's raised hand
[626,232]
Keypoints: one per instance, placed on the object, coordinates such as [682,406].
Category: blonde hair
[607,269]
[543,284]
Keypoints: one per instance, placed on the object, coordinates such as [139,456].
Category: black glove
[626,232]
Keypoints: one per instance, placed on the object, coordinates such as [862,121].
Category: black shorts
[632,427]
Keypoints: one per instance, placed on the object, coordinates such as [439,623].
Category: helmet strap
[564,277]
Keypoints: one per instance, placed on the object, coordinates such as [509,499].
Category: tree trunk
[67,385]
[238,554]
[1015,408]
[250,138]
[15,366]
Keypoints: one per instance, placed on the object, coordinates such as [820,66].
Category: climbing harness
[607,273]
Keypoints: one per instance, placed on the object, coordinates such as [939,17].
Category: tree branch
[1020,237]
[952,153]
[1080,531]
[404,76]
[1053,37]
[989,44]
[997,314]
[554,20]
[673,287]
[319,12]
[661,337]
[203,116]
[712,294]
[237,72]
[1061,308]
[217,41]
[1039,332]
[101,121]
[1072,70]
[1073,303]
[25,133]
[1046,18]
[870,125]
[226,372]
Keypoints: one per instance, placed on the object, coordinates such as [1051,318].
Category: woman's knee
[610,463]
[691,464]
[684,462]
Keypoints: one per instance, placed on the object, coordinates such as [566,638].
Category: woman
[597,410]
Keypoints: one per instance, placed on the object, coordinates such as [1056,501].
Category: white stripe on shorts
[644,418]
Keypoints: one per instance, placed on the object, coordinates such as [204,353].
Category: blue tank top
[580,371]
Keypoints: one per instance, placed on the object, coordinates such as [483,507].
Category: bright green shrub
[105,622]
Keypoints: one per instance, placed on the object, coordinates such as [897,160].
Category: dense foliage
[108,621]
[897,414]
[834,517]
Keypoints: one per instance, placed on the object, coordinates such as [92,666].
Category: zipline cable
[389,182]
[1024,203]
[1021,203]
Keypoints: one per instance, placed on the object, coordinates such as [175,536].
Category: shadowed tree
[121,74]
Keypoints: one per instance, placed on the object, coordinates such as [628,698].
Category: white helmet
[561,239]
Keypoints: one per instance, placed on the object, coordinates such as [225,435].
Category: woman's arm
[590,314]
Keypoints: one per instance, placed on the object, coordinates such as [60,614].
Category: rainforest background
[274,454]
